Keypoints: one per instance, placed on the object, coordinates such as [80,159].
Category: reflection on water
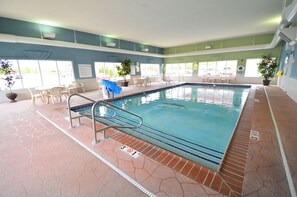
[205,94]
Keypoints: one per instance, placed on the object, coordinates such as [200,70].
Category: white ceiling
[163,23]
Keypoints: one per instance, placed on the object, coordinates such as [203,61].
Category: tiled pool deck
[37,159]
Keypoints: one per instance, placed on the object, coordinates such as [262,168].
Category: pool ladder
[107,105]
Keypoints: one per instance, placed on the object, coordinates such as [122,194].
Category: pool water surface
[193,121]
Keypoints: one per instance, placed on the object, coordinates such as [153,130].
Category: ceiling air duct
[289,35]
[48,35]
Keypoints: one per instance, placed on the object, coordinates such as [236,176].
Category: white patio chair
[79,86]
[55,93]
[35,96]
[147,81]
[168,81]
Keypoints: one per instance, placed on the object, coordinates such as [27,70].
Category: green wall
[219,44]
[226,56]
[227,43]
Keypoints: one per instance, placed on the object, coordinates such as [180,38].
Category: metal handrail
[111,126]
[69,110]
[106,104]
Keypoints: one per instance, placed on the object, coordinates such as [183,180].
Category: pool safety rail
[94,116]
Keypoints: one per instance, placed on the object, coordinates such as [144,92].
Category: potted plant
[124,70]
[267,68]
[6,69]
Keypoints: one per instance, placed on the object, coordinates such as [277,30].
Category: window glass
[231,68]
[202,69]
[107,70]
[251,68]
[65,69]
[18,84]
[99,70]
[189,69]
[181,69]
[211,68]
[172,70]
[219,68]
[115,71]
[30,72]
[150,69]
[49,73]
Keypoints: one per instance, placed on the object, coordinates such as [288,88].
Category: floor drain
[254,135]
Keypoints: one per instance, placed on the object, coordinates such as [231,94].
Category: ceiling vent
[110,44]
[48,35]
[289,35]
[145,50]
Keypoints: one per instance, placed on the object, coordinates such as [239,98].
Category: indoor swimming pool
[194,121]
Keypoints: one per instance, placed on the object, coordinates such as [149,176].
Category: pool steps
[106,105]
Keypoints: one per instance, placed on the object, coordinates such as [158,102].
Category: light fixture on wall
[110,44]
[145,50]
[48,35]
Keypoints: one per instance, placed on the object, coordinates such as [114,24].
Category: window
[150,69]
[106,70]
[183,69]
[172,69]
[231,68]
[251,68]
[33,73]
[219,68]
[18,84]
[189,69]
[30,73]
[65,72]
[49,73]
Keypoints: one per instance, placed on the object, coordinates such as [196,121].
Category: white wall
[287,83]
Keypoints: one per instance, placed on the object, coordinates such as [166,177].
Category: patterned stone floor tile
[171,187]
[38,160]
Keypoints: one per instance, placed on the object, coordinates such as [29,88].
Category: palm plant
[124,69]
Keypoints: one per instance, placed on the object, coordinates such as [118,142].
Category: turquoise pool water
[193,121]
